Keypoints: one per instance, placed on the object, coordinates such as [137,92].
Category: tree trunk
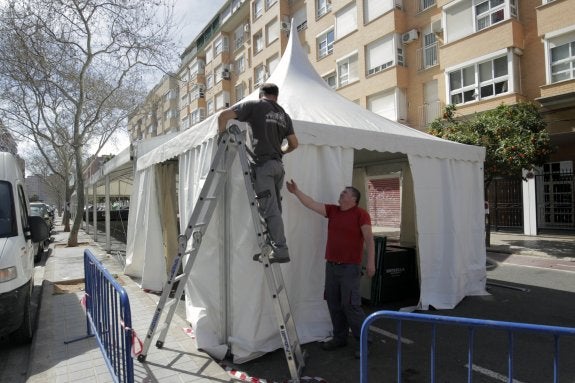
[73,237]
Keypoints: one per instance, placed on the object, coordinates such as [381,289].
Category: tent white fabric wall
[227,299]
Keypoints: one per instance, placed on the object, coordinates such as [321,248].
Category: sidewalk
[62,318]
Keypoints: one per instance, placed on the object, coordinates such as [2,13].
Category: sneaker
[272,258]
[275,259]
[279,255]
[333,344]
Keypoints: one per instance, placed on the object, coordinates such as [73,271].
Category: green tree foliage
[514,137]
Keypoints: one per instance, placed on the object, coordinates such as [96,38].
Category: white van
[18,233]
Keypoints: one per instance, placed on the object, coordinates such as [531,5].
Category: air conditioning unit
[226,74]
[436,26]
[246,28]
[410,36]
[285,26]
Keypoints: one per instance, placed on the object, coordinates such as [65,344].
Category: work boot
[334,343]
[279,255]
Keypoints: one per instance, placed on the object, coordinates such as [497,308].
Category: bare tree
[71,71]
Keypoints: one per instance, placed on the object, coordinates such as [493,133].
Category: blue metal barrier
[471,324]
[108,318]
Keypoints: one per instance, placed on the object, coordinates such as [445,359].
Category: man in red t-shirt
[349,228]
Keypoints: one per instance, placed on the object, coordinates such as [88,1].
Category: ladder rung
[163,326]
[179,277]
[208,198]
[170,303]
[280,288]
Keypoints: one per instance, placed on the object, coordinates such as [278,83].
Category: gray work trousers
[344,299]
[269,176]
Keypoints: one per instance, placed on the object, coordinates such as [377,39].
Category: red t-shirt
[344,237]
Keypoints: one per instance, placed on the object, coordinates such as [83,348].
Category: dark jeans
[344,299]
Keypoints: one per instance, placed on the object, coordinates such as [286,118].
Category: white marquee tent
[227,300]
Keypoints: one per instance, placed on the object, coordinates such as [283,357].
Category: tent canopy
[227,297]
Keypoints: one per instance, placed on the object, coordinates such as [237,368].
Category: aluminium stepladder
[231,143]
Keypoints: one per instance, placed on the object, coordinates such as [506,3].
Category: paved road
[521,290]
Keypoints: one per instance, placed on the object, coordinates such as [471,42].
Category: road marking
[390,335]
[492,374]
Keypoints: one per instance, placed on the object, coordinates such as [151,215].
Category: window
[325,44]
[218,73]
[424,4]
[345,21]
[209,55]
[372,9]
[330,80]
[272,31]
[185,122]
[432,107]
[429,50]
[272,63]
[478,81]
[562,58]
[240,92]
[8,223]
[240,64]
[222,100]
[384,104]
[469,16]
[239,37]
[347,70]
[221,45]
[489,12]
[258,42]
[258,8]
[209,81]
[300,19]
[198,115]
[210,106]
[379,55]
[259,74]
[322,7]
[269,3]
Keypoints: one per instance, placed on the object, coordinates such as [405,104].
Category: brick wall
[384,202]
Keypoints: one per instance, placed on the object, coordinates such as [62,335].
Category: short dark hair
[269,89]
[355,193]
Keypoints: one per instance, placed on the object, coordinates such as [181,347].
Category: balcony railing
[427,57]
[429,112]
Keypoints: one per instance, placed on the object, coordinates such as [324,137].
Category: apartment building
[158,115]
[404,60]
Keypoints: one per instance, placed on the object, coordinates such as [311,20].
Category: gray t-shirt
[270,125]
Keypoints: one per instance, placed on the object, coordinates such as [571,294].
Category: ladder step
[179,277]
[280,288]
[163,326]
[171,303]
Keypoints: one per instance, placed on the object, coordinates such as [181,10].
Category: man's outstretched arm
[306,200]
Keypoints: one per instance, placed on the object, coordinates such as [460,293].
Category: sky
[191,17]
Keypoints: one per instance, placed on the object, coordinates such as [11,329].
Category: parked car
[19,231]
[43,210]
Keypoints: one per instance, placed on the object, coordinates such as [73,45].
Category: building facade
[405,60]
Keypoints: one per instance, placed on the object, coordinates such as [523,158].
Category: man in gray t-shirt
[270,125]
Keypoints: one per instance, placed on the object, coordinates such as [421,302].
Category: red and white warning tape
[246,378]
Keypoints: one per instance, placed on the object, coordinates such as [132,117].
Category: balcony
[427,57]
[429,112]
